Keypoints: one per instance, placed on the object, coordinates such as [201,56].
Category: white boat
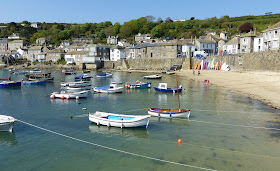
[66,95]
[169,113]
[152,77]
[6,123]
[119,120]
[112,88]
[78,83]
[77,88]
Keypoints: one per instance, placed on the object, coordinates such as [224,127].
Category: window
[259,41]
[275,33]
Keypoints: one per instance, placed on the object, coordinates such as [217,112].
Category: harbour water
[226,130]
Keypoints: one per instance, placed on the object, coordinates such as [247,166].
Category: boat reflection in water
[127,132]
[8,138]
[174,121]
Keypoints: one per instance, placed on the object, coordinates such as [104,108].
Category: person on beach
[193,72]
[198,73]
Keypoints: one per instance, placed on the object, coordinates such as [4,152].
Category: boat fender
[115,90]
[158,115]
[77,97]
[108,124]
[170,115]
[149,85]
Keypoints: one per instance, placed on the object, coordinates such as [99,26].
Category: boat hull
[6,123]
[168,90]
[4,84]
[152,77]
[119,120]
[80,83]
[169,113]
[72,95]
[138,86]
[108,91]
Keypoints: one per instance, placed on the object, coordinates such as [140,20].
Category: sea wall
[144,64]
[262,61]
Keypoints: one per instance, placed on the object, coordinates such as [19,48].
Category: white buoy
[68,97]
[52,96]
[77,97]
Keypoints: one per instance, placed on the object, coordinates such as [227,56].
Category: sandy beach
[261,85]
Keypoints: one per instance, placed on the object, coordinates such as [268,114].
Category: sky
[83,11]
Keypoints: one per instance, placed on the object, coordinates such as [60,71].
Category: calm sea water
[226,131]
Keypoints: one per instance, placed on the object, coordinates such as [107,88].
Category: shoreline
[259,85]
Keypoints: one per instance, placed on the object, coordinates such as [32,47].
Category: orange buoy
[179,141]
[62,97]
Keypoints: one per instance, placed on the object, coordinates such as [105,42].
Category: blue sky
[82,11]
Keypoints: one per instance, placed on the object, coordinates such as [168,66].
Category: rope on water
[113,149]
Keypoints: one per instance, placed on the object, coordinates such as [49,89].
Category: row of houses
[213,43]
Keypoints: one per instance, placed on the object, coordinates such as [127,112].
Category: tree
[157,31]
[192,18]
[150,18]
[109,31]
[117,27]
[245,27]
[168,20]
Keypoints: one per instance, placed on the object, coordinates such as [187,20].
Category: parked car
[199,56]
[175,67]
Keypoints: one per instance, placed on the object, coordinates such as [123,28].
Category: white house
[185,49]
[208,46]
[258,43]
[15,36]
[76,57]
[232,46]
[117,53]
[271,37]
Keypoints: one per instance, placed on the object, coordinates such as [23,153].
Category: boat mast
[178,91]
[8,65]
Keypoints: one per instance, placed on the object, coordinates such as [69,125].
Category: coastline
[260,85]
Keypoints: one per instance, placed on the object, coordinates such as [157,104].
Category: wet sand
[261,85]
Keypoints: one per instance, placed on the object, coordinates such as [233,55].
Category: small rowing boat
[119,120]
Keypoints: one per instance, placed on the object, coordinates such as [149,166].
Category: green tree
[117,27]
[157,31]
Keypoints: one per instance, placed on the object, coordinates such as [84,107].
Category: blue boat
[138,85]
[35,82]
[7,84]
[105,74]
[162,87]
[83,77]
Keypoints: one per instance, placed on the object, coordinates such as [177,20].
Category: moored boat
[83,77]
[169,113]
[4,84]
[34,82]
[105,74]
[6,123]
[78,83]
[119,120]
[68,72]
[152,77]
[112,88]
[162,87]
[138,85]
[66,95]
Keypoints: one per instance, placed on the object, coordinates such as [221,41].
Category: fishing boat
[6,123]
[78,83]
[105,74]
[162,87]
[7,83]
[152,77]
[67,95]
[138,85]
[83,77]
[86,71]
[111,88]
[170,113]
[37,76]
[36,70]
[119,120]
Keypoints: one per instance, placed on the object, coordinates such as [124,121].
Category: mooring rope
[113,149]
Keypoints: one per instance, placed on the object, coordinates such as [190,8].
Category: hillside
[56,32]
